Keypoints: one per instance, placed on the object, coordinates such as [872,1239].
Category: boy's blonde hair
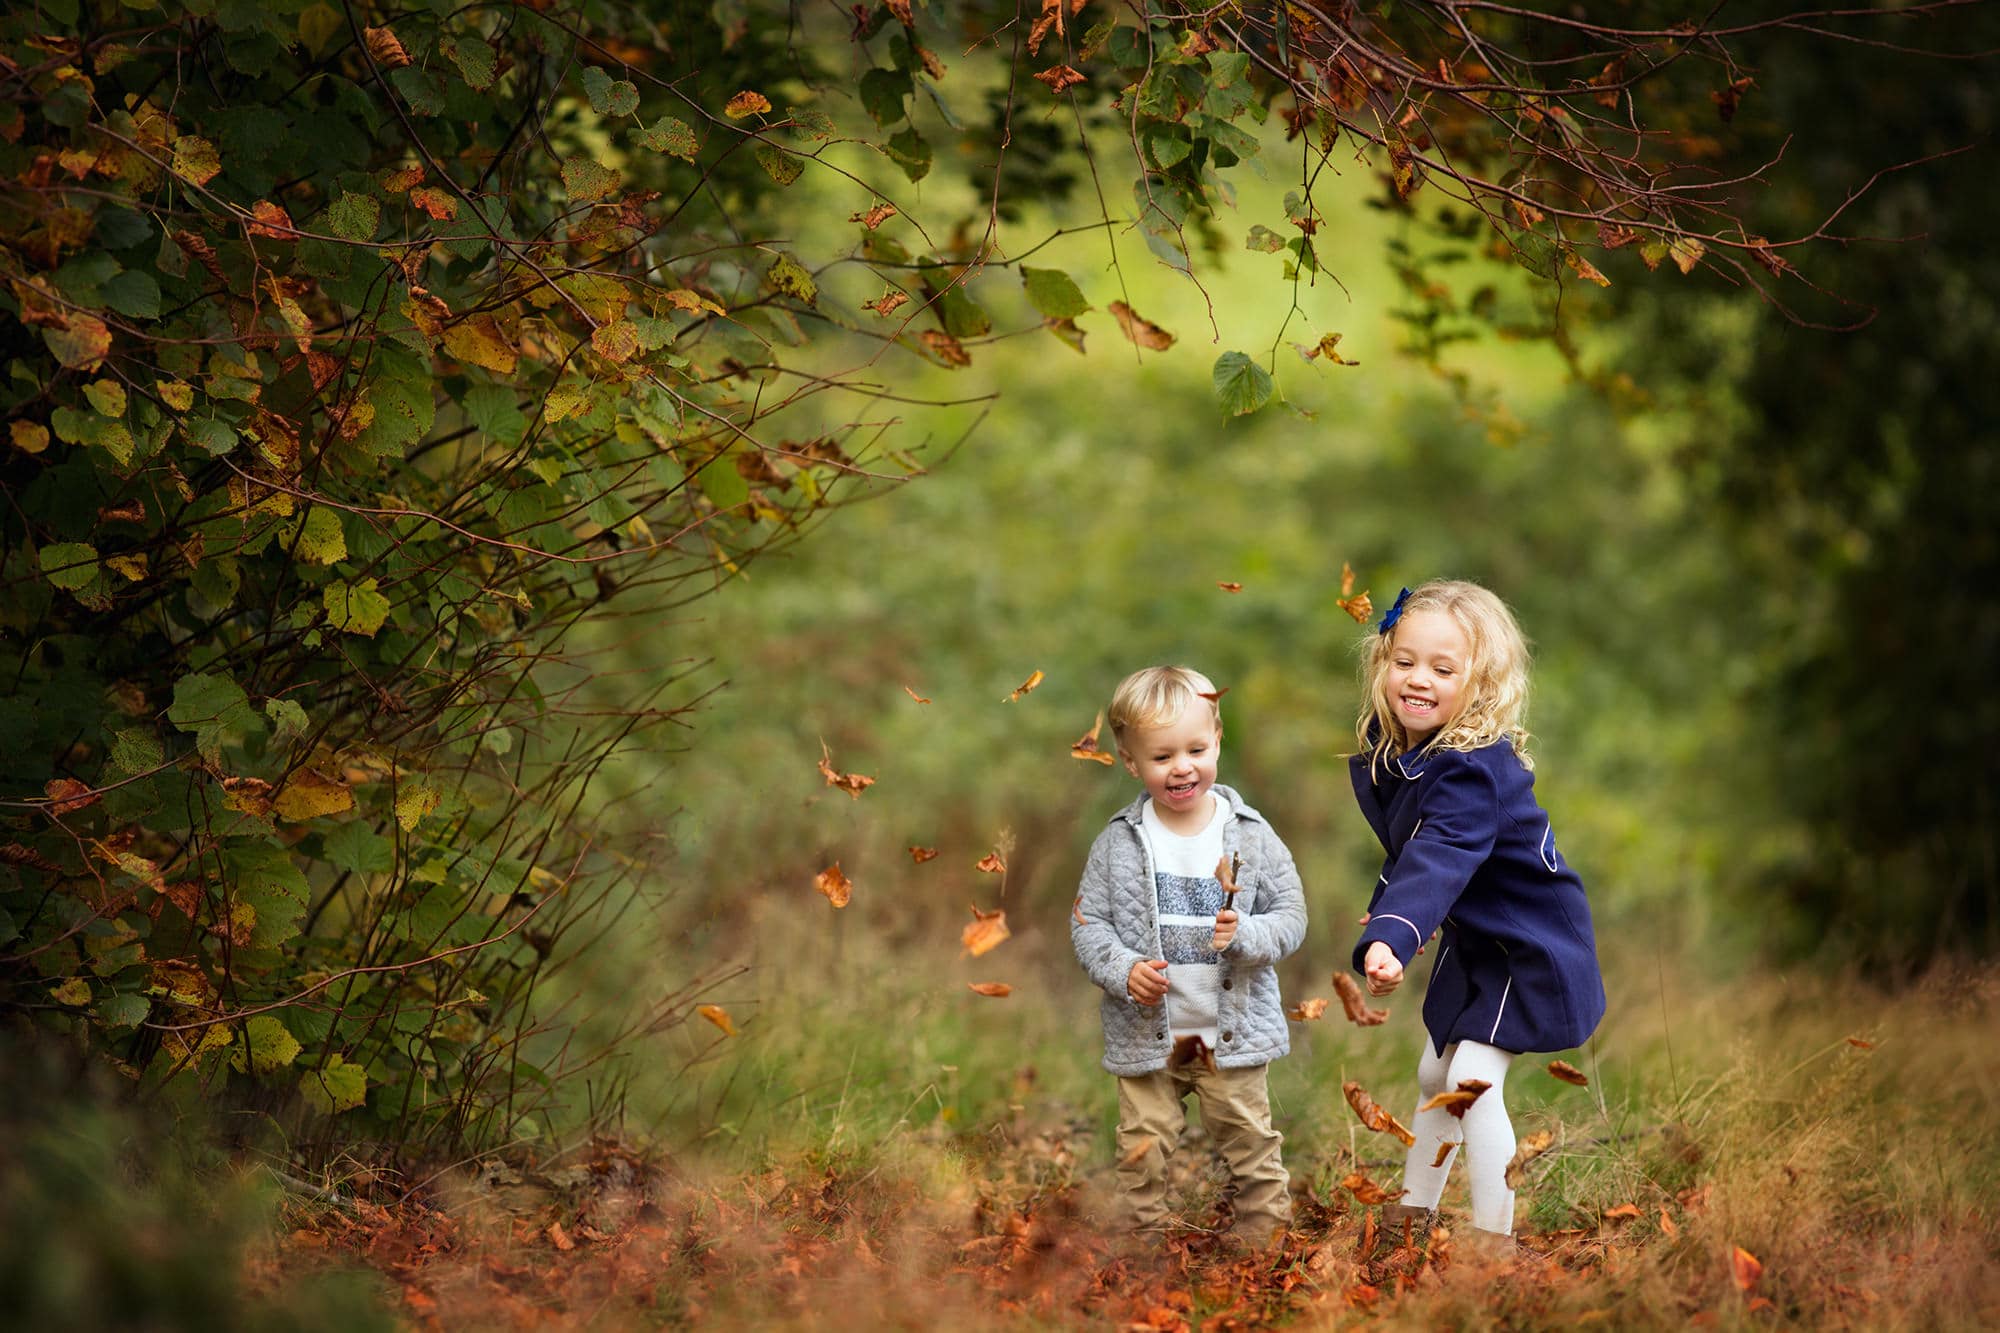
[1157,695]
[1493,701]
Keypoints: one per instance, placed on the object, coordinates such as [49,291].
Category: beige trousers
[1236,1109]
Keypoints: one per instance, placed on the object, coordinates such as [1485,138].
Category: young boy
[1190,991]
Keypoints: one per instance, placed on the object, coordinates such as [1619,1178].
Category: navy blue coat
[1471,854]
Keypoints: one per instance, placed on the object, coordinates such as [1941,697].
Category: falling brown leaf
[923,854]
[851,783]
[1745,1267]
[1355,1003]
[1051,17]
[914,695]
[835,884]
[1525,1152]
[1568,1073]
[1230,586]
[1667,1226]
[1034,679]
[67,795]
[999,990]
[1076,910]
[1623,1212]
[1366,1191]
[560,1238]
[985,932]
[1059,78]
[746,103]
[719,1016]
[901,10]
[1357,606]
[1190,1050]
[1213,696]
[1373,1115]
[887,303]
[1140,329]
[1864,1045]
[875,216]
[1085,746]
[1137,1152]
[992,863]
[1458,1099]
[933,63]
[384,48]
[1307,1011]
[1444,1150]
[946,348]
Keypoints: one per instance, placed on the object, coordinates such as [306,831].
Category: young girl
[1443,778]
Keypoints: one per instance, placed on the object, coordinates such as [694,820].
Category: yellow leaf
[719,1016]
[308,794]
[480,340]
[415,801]
[177,394]
[74,992]
[746,103]
[28,437]
[985,933]
[133,567]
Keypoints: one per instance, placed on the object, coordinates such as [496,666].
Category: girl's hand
[1379,965]
[1147,982]
[1225,929]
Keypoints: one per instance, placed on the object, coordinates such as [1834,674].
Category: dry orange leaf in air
[1745,1267]
[719,1016]
[985,933]
[851,783]
[992,863]
[1076,910]
[1525,1152]
[1140,329]
[1357,606]
[914,695]
[1355,1003]
[1306,1011]
[1373,1115]
[999,990]
[1667,1227]
[1367,1191]
[1863,1044]
[1229,585]
[1137,1152]
[1568,1073]
[1059,78]
[1214,696]
[1458,1099]
[1034,678]
[1444,1150]
[746,103]
[886,303]
[835,884]
[923,854]
[1085,746]
[875,216]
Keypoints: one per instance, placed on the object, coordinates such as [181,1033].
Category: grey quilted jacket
[1116,924]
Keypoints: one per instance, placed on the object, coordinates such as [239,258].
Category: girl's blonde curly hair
[1493,701]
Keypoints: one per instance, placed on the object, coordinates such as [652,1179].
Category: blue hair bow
[1394,613]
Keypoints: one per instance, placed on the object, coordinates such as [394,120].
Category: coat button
[1227,983]
[1229,1036]
[1160,1036]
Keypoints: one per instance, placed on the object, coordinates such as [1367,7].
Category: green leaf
[492,408]
[911,152]
[265,1046]
[211,436]
[267,881]
[788,276]
[779,165]
[723,484]
[357,847]
[1241,384]
[354,216]
[1263,238]
[320,537]
[123,1011]
[215,709]
[1168,149]
[670,136]
[810,124]
[335,1086]
[355,607]
[133,294]
[137,750]
[587,179]
[107,396]
[474,59]
[288,719]
[609,97]
[1053,292]
[319,24]
[882,94]
[69,565]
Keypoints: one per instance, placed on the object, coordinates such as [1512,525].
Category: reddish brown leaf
[992,863]
[1355,1003]
[914,695]
[922,854]
[1213,696]
[560,1238]
[1864,1045]
[1137,1152]
[719,1016]
[888,303]
[1076,910]
[933,64]
[985,933]
[998,990]
[851,783]
[1667,1226]
[835,884]
[268,219]
[1366,1191]
[1230,586]
[1745,1267]
[946,348]
[901,10]
[441,205]
[1307,1011]
[1140,329]
[1051,18]
[1568,1073]
[1459,1099]
[1059,78]
[1373,1115]
[1444,1150]
[384,48]
[1034,678]
[1526,1151]
[1190,1050]
[1623,1212]
[67,795]
[1085,746]
[875,216]
[1357,606]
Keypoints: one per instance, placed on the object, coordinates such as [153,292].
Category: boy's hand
[1225,929]
[1379,965]
[1147,982]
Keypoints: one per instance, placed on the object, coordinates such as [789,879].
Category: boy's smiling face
[1176,760]
[1428,659]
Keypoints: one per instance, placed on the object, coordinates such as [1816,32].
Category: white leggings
[1486,1133]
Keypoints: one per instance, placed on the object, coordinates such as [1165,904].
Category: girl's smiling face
[1428,660]
[1176,760]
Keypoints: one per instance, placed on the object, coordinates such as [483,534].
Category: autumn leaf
[1586,270]
[837,887]
[888,303]
[1745,1267]
[1230,587]
[945,348]
[308,794]
[1861,1043]
[1137,1152]
[1213,696]
[1076,911]
[1529,1148]
[875,216]
[1059,78]
[67,795]
[1373,1115]
[719,1016]
[28,436]
[1140,329]
[1355,1004]
[1686,252]
[851,783]
[268,219]
[1307,1011]
[985,932]
[998,990]
[1085,746]
[560,1238]
[1356,605]
[992,863]
[1444,1150]
[1051,18]
[1034,678]
[1366,1191]
[919,855]
[1622,1212]
[1457,1100]
[746,103]
[384,48]
[1667,1225]
[914,695]
[1568,1073]
[440,205]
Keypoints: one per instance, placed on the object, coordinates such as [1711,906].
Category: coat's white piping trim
[1391,916]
